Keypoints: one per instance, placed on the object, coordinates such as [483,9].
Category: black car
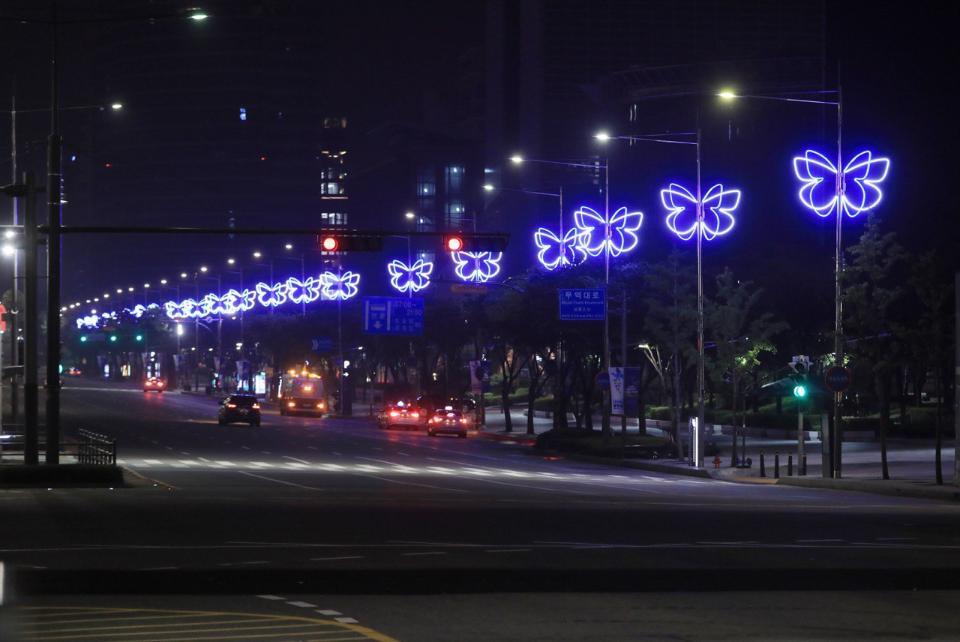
[239,408]
[447,421]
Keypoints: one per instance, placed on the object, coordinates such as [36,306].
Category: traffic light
[139,338]
[83,339]
[474,243]
[347,242]
[800,390]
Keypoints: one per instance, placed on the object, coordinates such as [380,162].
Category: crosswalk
[401,469]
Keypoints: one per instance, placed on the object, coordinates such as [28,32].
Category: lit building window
[426,186]
[453,176]
[243,113]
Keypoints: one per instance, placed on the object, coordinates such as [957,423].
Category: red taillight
[464,420]
[231,405]
[291,404]
[394,413]
[415,415]
[256,406]
[160,383]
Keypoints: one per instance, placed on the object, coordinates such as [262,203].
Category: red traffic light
[453,243]
[329,244]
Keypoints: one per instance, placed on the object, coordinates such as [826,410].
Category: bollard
[803,470]
[776,465]
[789,465]
[763,470]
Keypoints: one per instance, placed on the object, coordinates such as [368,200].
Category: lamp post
[838,206]
[670,138]
[518,159]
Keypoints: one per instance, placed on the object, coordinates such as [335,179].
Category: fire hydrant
[716,461]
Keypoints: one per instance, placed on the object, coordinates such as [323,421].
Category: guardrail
[88,448]
[95,448]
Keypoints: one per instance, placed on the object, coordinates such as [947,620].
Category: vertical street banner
[616,391]
[625,391]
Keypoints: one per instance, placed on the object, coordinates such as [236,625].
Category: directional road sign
[392,315]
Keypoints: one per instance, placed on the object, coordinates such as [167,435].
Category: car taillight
[394,413]
[415,415]
[160,383]
[256,406]
[231,405]
[291,404]
[464,420]
[320,405]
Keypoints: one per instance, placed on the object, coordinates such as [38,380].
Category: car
[154,384]
[239,408]
[403,414]
[447,421]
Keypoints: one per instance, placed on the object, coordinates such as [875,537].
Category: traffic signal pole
[54,146]
[31,330]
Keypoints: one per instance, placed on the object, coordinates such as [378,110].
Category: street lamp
[814,169]
[517,159]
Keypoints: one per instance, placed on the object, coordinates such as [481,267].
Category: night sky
[383,62]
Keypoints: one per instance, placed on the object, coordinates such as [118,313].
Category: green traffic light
[139,337]
[799,391]
[113,339]
[83,339]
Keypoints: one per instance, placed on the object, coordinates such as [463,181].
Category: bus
[303,393]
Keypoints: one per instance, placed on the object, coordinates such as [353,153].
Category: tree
[929,284]
[870,292]
[740,332]
[671,321]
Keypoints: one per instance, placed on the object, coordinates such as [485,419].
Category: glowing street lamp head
[727,95]
[163,281]
[288,246]
[203,268]
[116,106]
[231,261]
[602,136]
[409,216]
[146,286]
[516,159]
[183,275]
[487,187]
[257,254]
[199,16]
[119,290]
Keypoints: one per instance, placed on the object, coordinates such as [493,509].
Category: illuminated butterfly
[554,252]
[232,302]
[409,278]
[339,287]
[718,207]
[136,311]
[306,291]
[860,178]
[212,305]
[174,310]
[272,295]
[248,299]
[478,267]
[614,236]
[91,321]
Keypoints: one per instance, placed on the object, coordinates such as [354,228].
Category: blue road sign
[392,315]
[583,304]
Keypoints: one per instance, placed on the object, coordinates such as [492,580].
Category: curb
[638,465]
[518,438]
[878,487]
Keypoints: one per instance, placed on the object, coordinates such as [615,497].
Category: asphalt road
[309,493]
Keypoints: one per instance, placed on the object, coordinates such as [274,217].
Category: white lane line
[331,559]
[205,460]
[184,452]
[264,452]
[403,454]
[346,620]
[271,597]
[303,605]
[226,463]
[245,447]
[168,448]
[405,483]
[152,462]
[279,481]
[179,465]
[328,612]
[299,461]
[420,554]
[261,464]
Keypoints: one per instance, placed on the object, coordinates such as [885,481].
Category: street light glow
[602,136]
[199,17]
[231,261]
[146,285]
[8,249]
[410,216]
[116,106]
[257,254]
[183,275]
[9,234]
[727,95]
[516,159]
[163,281]
[487,187]
[203,268]
[288,246]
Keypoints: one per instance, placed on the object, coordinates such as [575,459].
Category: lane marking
[299,461]
[329,612]
[271,597]
[303,605]
[279,481]
[345,620]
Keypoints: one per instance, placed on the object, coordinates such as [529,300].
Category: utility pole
[54,146]
[623,357]
[30,329]
[14,353]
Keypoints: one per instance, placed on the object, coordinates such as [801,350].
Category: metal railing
[88,448]
[95,448]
